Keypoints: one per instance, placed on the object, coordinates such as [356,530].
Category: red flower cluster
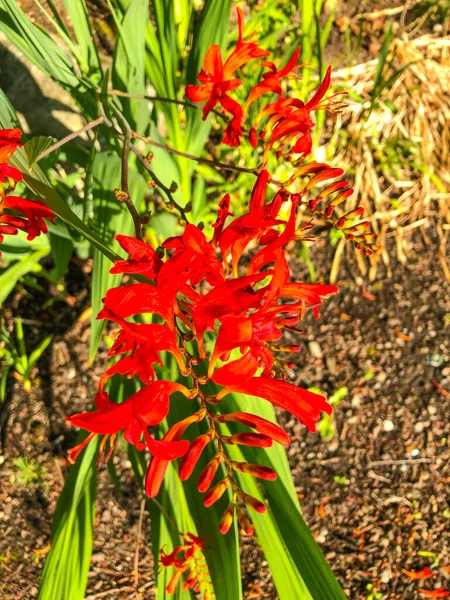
[198,287]
[223,319]
[285,122]
[32,212]
[188,558]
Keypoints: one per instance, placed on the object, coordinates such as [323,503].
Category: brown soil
[375,495]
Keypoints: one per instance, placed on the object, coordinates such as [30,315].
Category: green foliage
[67,565]
[14,353]
[29,474]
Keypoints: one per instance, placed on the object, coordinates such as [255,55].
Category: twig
[125,196]
[166,514]
[405,461]
[158,182]
[138,544]
[70,137]
[203,161]
[124,181]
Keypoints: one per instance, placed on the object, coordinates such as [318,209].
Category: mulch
[375,495]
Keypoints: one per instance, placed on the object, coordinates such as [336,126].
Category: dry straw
[396,144]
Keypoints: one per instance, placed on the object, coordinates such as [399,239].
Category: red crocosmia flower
[32,222]
[437,593]
[230,298]
[34,211]
[423,574]
[217,78]
[158,465]
[143,258]
[224,212]
[143,341]
[203,264]
[289,119]
[309,294]
[149,406]
[257,224]
[9,141]
[271,79]
[7,172]
[136,299]
[188,558]
[304,405]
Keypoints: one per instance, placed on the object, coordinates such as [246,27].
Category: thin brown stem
[70,137]
[159,183]
[124,193]
[203,161]
[166,514]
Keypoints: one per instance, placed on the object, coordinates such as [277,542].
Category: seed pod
[216,492]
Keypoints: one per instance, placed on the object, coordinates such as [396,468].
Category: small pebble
[315,350]
[388,425]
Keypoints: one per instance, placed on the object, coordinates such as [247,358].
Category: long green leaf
[66,569]
[128,71]
[78,13]
[46,54]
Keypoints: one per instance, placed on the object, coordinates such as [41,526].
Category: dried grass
[399,152]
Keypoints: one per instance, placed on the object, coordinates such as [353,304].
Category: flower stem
[70,137]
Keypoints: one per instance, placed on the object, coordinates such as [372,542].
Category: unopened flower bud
[245,525]
[227,519]
[253,503]
[259,471]
[212,399]
[120,194]
[190,459]
[249,439]
[328,211]
[312,204]
[173,187]
[208,473]
[216,492]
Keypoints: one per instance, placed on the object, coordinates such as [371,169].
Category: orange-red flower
[188,558]
[304,405]
[148,406]
[9,141]
[217,79]
[32,213]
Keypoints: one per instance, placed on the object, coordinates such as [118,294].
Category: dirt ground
[375,495]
